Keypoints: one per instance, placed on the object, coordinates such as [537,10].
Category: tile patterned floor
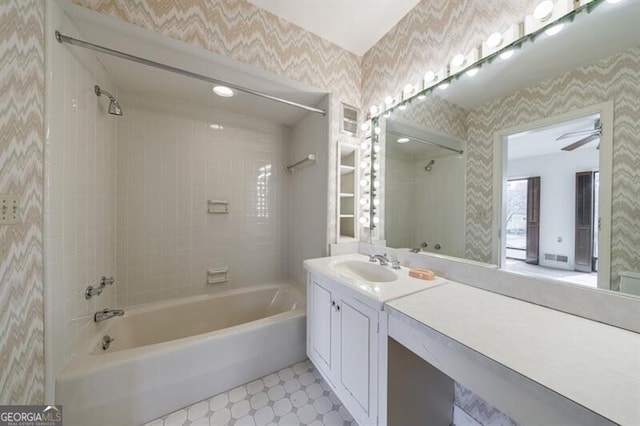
[296,395]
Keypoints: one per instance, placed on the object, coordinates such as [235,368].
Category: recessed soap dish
[217,206]
[217,275]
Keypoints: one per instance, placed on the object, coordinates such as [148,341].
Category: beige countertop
[593,364]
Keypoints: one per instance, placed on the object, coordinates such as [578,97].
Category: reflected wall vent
[348,120]
[556,257]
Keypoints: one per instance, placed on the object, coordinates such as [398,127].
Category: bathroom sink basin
[366,271]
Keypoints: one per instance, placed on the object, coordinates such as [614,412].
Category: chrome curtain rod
[439,145]
[80,43]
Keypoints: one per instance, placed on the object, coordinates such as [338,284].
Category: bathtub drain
[106,342]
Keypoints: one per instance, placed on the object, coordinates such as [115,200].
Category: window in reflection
[262,191]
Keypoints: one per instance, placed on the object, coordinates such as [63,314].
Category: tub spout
[105,314]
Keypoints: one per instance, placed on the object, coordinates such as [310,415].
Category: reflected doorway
[551,201]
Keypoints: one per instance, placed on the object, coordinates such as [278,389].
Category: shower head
[114,106]
[430,165]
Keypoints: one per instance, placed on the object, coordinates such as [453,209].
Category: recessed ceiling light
[216,126]
[223,91]
[403,140]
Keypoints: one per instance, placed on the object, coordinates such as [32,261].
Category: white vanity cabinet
[342,342]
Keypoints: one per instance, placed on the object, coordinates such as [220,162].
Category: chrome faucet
[107,313]
[384,260]
[423,246]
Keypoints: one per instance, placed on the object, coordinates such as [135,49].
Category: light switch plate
[10,210]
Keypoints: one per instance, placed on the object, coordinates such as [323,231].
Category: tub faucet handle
[107,313]
[104,281]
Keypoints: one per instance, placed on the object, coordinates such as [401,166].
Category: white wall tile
[175,163]
[80,191]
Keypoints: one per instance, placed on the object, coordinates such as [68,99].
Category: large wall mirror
[530,161]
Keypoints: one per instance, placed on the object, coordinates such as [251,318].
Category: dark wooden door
[533,220]
[584,222]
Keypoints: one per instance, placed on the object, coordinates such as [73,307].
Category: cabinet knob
[338,308]
[333,303]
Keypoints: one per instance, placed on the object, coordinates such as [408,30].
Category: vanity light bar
[546,18]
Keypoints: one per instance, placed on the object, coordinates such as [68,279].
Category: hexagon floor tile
[295,395]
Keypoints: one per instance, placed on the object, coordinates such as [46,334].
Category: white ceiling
[354,25]
[398,127]
[542,141]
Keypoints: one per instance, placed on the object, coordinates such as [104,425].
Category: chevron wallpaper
[426,39]
[614,78]
[237,29]
[21,161]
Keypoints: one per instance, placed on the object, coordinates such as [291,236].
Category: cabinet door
[359,359]
[320,326]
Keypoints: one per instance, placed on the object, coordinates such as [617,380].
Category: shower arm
[426,142]
[99,91]
[61,38]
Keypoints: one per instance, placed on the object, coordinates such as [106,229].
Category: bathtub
[172,354]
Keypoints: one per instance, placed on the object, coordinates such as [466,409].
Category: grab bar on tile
[307,159]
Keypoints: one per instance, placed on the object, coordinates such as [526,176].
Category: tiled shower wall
[79,197]
[170,162]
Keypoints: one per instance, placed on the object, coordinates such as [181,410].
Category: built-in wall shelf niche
[348,164]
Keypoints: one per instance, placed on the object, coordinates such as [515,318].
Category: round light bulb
[377,130]
[376,166]
[223,91]
[421,96]
[364,182]
[494,40]
[443,86]
[376,202]
[403,140]
[429,76]
[365,126]
[376,183]
[376,148]
[408,89]
[458,61]
[364,220]
[472,71]
[387,114]
[373,110]
[402,107]
[543,11]
[388,100]
[364,164]
[376,220]
[364,146]
[363,201]
[554,30]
